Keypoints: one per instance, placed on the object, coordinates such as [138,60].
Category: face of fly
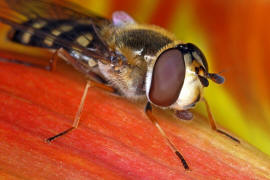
[176,78]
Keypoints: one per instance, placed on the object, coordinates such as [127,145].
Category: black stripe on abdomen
[67,30]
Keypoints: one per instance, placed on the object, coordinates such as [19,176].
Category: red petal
[114,140]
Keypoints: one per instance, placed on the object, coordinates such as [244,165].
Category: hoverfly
[141,62]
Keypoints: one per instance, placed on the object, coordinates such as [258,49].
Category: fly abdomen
[49,33]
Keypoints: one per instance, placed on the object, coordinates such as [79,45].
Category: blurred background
[234,35]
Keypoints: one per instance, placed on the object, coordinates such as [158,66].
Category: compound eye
[167,78]
[196,50]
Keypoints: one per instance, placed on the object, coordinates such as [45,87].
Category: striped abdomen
[70,31]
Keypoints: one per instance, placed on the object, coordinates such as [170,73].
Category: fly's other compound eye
[197,54]
[167,78]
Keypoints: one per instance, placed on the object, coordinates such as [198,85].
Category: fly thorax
[129,80]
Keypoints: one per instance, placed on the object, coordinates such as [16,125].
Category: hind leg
[18,59]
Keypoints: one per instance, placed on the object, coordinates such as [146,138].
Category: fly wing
[49,9]
[24,17]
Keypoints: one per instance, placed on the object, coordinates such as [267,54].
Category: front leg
[187,115]
[148,111]
[213,124]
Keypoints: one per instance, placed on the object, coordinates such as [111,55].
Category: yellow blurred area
[248,117]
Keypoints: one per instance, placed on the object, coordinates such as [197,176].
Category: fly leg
[52,62]
[213,124]
[90,83]
[76,120]
[50,67]
[148,111]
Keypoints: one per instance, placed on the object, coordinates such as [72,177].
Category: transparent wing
[16,12]
[53,10]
